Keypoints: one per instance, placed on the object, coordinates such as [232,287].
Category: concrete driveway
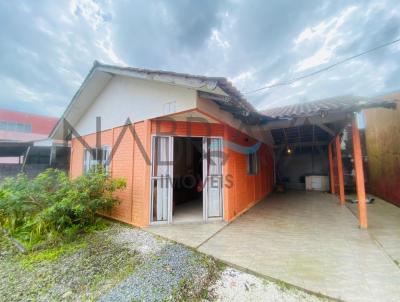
[307,239]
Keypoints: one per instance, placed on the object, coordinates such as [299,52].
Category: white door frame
[171,173]
[171,176]
[206,181]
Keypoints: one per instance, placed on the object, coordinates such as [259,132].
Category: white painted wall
[137,99]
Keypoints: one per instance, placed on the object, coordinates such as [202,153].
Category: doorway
[187,200]
[186,179]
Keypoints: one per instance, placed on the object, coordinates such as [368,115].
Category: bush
[51,204]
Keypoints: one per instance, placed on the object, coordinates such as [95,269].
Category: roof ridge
[148,70]
[314,101]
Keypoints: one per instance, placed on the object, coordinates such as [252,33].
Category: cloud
[47,49]
[329,34]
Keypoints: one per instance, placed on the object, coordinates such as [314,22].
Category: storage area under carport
[301,157]
[309,139]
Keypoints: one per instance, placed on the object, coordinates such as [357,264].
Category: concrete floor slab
[190,234]
[309,240]
[383,225]
[188,212]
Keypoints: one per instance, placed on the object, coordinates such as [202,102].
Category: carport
[31,157]
[308,139]
[310,239]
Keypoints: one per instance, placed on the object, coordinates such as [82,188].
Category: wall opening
[187,198]
[304,168]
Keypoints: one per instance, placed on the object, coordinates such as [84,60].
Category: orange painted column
[359,172]
[331,171]
[340,170]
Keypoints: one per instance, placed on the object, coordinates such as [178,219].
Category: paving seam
[377,242]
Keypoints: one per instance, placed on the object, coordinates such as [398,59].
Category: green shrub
[51,204]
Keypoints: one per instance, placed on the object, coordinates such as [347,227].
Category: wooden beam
[340,170]
[279,154]
[213,96]
[306,144]
[359,172]
[331,170]
[326,129]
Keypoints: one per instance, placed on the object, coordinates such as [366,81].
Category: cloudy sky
[47,47]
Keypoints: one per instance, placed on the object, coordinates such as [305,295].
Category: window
[14,126]
[96,156]
[252,163]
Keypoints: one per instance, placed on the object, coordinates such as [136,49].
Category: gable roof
[347,103]
[181,79]
[218,89]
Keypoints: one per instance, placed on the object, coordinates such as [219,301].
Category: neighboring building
[193,149]
[382,135]
[22,126]
[24,144]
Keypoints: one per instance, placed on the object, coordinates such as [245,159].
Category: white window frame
[253,163]
[90,161]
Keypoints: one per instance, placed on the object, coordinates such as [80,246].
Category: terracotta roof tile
[346,103]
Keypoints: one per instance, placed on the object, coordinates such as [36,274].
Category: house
[382,138]
[191,147]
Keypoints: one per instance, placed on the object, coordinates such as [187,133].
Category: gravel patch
[174,273]
[235,285]
[138,240]
[120,263]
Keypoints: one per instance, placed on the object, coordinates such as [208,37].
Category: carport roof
[347,103]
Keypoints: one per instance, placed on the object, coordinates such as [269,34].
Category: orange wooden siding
[246,189]
[181,128]
[241,191]
[127,162]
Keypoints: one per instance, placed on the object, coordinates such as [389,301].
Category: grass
[81,269]
[90,266]
[53,254]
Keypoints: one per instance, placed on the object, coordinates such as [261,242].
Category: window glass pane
[104,158]
[96,156]
[252,163]
[160,199]
[249,163]
[214,155]
[20,127]
[87,159]
[14,126]
[161,156]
